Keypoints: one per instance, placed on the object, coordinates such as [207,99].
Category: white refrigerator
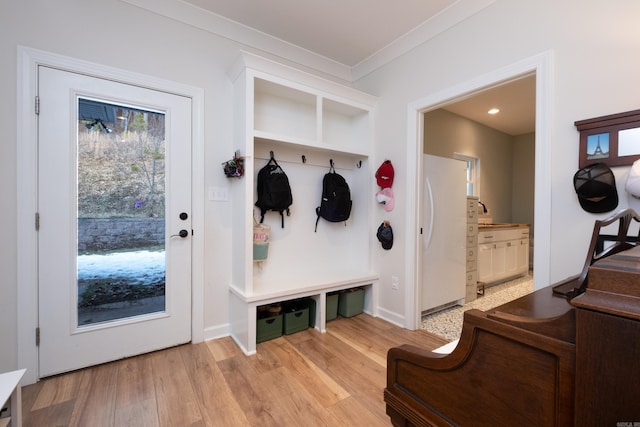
[443,231]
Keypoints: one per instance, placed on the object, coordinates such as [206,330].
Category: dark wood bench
[556,357]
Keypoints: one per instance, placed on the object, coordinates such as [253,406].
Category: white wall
[117,34]
[595,48]
[595,67]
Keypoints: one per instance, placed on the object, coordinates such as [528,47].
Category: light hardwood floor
[307,378]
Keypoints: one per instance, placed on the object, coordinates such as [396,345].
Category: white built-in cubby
[306,122]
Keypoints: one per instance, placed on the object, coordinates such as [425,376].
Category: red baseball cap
[384,174]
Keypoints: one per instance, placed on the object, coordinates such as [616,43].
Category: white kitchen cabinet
[499,259]
[306,122]
[511,257]
[492,261]
[503,253]
[523,255]
[484,262]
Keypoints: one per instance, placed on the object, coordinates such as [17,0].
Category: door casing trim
[27,192]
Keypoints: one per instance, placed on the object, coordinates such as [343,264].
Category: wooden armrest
[498,374]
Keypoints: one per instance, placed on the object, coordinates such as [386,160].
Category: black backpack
[274,191]
[335,205]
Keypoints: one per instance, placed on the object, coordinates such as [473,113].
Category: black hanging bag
[274,191]
[335,205]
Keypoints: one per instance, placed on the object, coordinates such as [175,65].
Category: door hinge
[37,221]
[37,105]
[37,337]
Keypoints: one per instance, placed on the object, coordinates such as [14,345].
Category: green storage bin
[351,302]
[296,320]
[332,306]
[269,328]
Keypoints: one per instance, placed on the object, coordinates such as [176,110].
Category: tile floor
[447,323]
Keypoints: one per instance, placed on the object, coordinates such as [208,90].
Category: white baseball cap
[633,180]
[385,197]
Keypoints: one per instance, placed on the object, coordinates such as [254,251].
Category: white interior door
[114,203]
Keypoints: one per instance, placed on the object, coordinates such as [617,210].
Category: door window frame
[27,255]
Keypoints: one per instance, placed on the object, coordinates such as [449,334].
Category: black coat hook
[359,164]
[304,159]
[271,154]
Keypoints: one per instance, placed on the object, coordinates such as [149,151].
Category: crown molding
[449,17]
[257,40]
[251,38]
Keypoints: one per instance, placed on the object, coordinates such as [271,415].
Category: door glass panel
[121,212]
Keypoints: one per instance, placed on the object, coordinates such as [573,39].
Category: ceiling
[351,31]
[345,39]
[358,35]
[345,31]
[516,101]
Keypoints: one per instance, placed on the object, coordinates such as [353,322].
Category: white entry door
[114,206]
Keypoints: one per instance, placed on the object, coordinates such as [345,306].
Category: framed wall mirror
[613,139]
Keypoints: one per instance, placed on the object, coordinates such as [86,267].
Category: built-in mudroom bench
[306,123]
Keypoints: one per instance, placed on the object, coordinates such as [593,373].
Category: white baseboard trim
[391,317]
[215,332]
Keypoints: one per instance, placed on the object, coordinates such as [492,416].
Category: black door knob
[183,233]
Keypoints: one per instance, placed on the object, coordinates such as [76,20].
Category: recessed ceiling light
[494,111]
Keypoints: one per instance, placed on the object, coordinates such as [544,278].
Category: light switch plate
[218,194]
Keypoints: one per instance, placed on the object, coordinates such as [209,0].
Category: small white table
[10,389]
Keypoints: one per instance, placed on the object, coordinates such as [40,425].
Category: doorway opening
[538,66]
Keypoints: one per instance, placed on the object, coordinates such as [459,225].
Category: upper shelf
[295,107]
[283,113]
